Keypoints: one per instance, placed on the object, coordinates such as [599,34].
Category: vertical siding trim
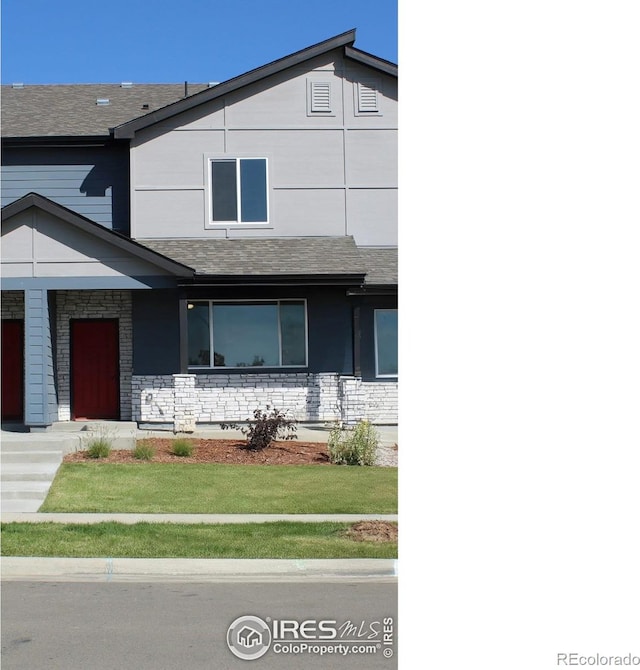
[132,191]
[37,353]
[345,190]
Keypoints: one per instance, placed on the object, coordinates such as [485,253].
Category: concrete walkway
[27,472]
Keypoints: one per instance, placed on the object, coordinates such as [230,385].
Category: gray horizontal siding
[93,182]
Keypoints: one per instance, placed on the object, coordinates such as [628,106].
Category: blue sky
[69,41]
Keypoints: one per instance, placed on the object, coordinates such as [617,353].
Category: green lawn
[222,489]
[163,540]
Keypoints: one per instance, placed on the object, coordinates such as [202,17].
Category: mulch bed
[373,531]
[220,451]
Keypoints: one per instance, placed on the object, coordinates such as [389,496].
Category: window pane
[253,197]
[223,191]
[198,329]
[246,335]
[386,341]
[292,329]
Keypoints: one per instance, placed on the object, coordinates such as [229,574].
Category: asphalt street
[165,626]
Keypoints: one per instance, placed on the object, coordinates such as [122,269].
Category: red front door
[95,378]
[12,370]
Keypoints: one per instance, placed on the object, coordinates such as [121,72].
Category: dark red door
[12,370]
[95,374]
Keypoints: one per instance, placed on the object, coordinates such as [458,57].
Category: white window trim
[209,222]
[375,338]
[277,301]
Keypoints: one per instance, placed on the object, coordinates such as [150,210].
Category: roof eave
[372,61]
[204,280]
[373,289]
[56,140]
[129,129]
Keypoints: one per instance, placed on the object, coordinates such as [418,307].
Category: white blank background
[520,332]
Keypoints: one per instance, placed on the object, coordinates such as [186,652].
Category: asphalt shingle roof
[381,264]
[67,110]
[264,256]
[281,256]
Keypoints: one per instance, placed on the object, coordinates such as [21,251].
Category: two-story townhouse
[185,256]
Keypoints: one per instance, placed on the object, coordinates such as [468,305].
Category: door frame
[72,371]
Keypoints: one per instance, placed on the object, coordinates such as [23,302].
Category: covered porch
[67,287]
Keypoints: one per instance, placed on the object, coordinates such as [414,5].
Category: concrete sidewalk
[90,518]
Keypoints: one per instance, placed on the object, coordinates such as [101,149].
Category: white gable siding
[330,173]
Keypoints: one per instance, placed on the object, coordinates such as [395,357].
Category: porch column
[39,387]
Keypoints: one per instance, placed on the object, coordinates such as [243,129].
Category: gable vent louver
[367,98]
[320,96]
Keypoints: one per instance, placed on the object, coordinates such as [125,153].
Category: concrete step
[28,471]
[31,456]
[24,490]
[17,506]
[27,443]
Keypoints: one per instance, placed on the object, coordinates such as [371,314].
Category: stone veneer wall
[106,304]
[13,304]
[184,400]
[375,401]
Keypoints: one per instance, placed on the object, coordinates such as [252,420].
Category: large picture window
[386,339]
[247,334]
[239,190]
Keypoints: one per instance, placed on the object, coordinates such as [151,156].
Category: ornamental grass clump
[353,446]
[143,451]
[182,448]
[98,443]
[99,447]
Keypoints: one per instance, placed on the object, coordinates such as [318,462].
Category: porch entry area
[12,369]
[95,374]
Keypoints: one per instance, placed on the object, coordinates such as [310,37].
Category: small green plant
[143,451]
[353,446]
[265,428]
[99,447]
[98,443]
[182,447]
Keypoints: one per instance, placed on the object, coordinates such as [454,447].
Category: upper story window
[239,192]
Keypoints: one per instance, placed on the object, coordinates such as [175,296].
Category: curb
[187,569]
